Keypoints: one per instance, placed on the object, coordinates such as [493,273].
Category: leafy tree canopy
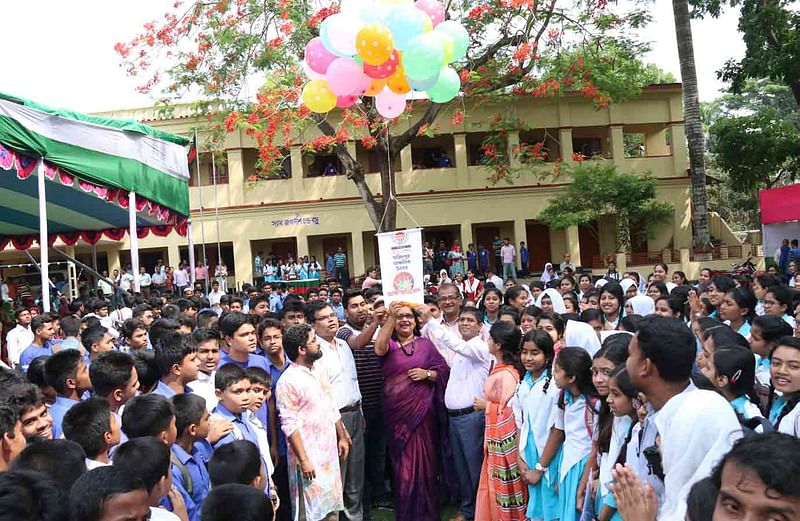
[599,189]
[215,49]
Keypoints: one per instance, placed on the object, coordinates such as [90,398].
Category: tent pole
[134,239]
[44,261]
[191,251]
[216,205]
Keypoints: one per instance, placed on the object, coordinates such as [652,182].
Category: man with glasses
[339,365]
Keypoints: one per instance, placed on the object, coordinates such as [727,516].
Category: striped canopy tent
[70,176]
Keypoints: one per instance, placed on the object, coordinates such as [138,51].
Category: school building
[307,211]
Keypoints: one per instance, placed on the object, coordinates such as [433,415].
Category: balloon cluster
[385,49]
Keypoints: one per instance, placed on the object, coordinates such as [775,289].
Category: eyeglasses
[448,298]
[405,317]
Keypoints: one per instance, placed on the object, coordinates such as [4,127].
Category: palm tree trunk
[694,129]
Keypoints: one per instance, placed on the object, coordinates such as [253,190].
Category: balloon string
[392,195]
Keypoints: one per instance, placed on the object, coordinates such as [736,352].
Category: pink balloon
[385,69]
[389,104]
[366,81]
[433,9]
[344,76]
[346,101]
[317,56]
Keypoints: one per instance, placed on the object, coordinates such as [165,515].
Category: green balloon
[423,57]
[458,34]
[446,87]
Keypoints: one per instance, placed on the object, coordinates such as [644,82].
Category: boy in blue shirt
[189,472]
[232,387]
[91,425]
[43,331]
[239,335]
[176,358]
[67,373]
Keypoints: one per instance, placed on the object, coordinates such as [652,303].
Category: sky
[61,53]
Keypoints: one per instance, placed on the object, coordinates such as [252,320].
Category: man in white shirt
[104,286]
[180,279]
[126,280]
[494,279]
[463,396]
[144,281]
[215,294]
[338,364]
[509,255]
[696,427]
[20,337]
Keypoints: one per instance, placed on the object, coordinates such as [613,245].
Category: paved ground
[388,515]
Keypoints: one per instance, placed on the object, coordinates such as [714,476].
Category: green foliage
[598,189]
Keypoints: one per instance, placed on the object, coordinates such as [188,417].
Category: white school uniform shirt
[162,514]
[17,340]
[532,412]
[790,424]
[577,422]
[204,387]
[263,441]
[470,366]
[697,429]
[339,366]
[621,427]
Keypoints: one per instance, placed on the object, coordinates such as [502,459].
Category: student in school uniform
[115,379]
[188,466]
[176,358]
[92,426]
[208,353]
[68,373]
[34,413]
[533,404]
[43,331]
[573,421]
[233,392]
[251,504]
[108,493]
[784,412]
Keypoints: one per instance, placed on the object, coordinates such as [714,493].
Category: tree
[598,189]
[754,143]
[694,128]
[771,32]
[216,48]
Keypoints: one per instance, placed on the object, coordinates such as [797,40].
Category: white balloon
[310,74]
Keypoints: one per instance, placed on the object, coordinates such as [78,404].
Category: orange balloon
[375,88]
[397,82]
[374,43]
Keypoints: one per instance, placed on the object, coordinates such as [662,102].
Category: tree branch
[401,141]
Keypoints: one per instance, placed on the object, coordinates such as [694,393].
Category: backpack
[187,478]
[749,426]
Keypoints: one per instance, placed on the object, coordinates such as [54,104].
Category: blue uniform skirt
[542,497]
[568,492]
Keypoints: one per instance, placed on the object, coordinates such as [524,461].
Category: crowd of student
[622,398]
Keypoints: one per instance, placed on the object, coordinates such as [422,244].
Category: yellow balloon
[374,43]
[428,24]
[318,96]
[375,88]
[397,82]
[447,45]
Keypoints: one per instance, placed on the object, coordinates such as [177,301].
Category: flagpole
[200,197]
[44,261]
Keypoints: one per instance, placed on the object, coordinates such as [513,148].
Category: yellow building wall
[307,208]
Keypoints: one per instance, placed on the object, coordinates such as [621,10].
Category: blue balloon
[406,22]
[423,85]
[325,36]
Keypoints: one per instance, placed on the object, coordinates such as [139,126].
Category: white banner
[401,266]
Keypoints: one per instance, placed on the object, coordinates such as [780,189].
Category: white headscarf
[670,286]
[555,298]
[546,277]
[600,283]
[642,282]
[581,334]
[444,279]
[626,284]
[697,430]
[642,305]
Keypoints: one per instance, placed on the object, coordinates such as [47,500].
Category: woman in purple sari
[415,376]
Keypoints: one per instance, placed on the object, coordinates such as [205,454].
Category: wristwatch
[539,467]
[429,374]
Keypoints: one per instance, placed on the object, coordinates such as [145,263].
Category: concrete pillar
[302,245]
[565,141]
[462,167]
[243,261]
[680,155]
[405,160]
[173,254]
[622,262]
[520,234]
[236,174]
[573,245]
[113,259]
[617,145]
[686,263]
[357,266]
[656,143]
[513,145]
[296,157]
[466,236]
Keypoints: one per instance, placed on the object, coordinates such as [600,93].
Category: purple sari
[415,419]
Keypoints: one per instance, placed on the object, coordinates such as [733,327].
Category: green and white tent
[73,176]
